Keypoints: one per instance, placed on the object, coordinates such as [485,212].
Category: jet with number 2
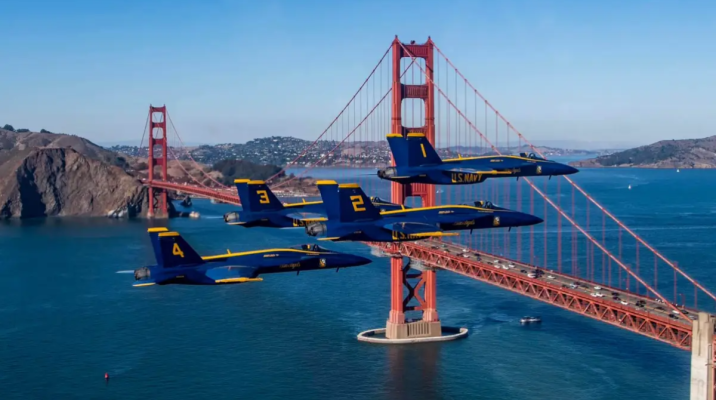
[179,263]
[261,207]
[416,161]
[352,217]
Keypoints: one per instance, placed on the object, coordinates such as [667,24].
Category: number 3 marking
[263,196]
[177,251]
[357,203]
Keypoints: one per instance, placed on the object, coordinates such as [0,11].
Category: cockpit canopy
[485,204]
[532,156]
[311,247]
[376,199]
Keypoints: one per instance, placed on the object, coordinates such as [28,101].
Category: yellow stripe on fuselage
[144,284]
[247,253]
[305,203]
[439,208]
[485,157]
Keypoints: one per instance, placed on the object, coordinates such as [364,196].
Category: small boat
[629,187]
[530,320]
[677,170]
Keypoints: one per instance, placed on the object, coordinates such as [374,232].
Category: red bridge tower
[157,156]
[397,327]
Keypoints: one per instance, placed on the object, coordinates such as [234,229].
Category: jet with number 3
[179,263]
[261,207]
[416,161]
[352,217]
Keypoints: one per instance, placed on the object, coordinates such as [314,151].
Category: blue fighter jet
[416,161]
[352,217]
[178,263]
[260,207]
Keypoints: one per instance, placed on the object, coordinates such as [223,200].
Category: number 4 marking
[177,251]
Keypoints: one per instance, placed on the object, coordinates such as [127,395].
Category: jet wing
[416,229]
[476,171]
[306,217]
[232,274]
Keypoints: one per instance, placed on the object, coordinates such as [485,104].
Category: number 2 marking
[358,204]
[177,251]
[263,196]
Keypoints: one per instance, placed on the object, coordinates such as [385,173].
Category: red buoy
[106,376]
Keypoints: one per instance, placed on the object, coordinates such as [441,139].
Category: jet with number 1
[178,263]
[352,217]
[416,161]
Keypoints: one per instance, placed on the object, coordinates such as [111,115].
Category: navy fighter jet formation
[346,213]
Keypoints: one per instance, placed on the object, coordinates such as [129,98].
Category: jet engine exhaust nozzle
[316,229]
[142,273]
[232,216]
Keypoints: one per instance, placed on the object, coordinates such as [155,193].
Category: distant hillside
[281,150]
[686,153]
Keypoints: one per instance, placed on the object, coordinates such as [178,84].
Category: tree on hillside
[242,169]
[44,131]
[22,130]
[9,127]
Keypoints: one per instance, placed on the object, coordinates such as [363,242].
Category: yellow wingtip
[349,186]
[242,180]
[394,135]
[256,182]
[158,229]
[326,182]
[415,134]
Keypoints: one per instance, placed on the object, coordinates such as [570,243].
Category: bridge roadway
[654,319]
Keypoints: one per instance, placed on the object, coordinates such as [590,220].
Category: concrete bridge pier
[702,358]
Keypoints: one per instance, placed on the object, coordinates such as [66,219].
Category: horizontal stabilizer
[307,217]
[144,282]
[416,229]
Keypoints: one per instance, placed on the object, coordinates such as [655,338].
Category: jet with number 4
[352,217]
[416,161]
[261,207]
[179,263]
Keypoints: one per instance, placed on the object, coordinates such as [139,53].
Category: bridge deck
[654,319]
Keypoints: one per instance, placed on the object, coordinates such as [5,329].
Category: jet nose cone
[524,219]
[570,170]
[533,219]
[358,260]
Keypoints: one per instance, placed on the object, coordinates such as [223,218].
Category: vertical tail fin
[256,196]
[171,250]
[329,195]
[399,149]
[413,150]
[355,205]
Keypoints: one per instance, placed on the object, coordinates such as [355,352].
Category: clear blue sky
[634,71]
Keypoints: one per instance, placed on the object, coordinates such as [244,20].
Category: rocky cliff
[686,153]
[62,182]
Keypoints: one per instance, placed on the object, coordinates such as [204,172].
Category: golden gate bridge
[581,246]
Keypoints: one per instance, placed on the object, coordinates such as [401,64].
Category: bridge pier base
[398,329]
[702,357]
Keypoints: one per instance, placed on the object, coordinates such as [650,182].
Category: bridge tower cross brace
[396,326]
[157,141]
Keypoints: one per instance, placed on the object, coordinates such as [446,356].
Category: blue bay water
[67,317]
